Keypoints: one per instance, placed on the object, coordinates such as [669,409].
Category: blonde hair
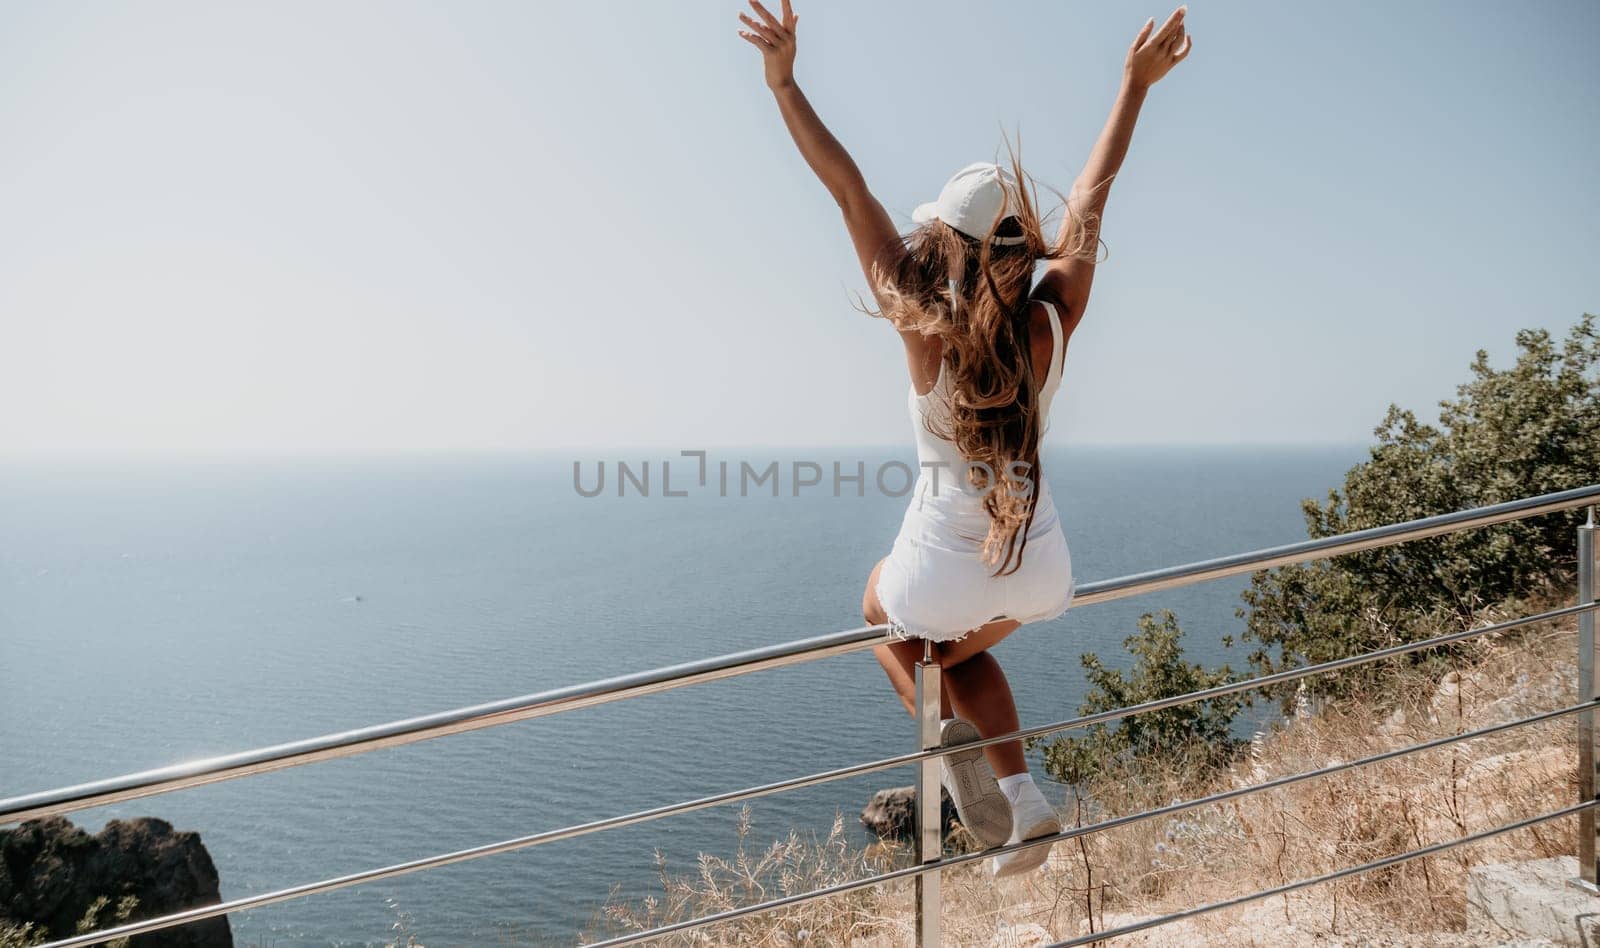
[972,296]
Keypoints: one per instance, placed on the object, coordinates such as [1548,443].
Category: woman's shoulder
[1044,330]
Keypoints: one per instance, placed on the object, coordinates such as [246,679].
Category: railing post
[930,835]
[1588,785]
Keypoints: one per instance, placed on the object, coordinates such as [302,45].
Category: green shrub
[1190,735]
[1529,429]
[1533,428]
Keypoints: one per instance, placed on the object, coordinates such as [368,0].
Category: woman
[981,550]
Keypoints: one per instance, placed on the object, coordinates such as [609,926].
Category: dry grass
[1215,852]
[789,866]
[1321,825]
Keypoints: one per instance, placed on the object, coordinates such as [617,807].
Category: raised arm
[871,231]
[1153,54]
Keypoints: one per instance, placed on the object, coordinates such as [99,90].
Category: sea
[156,612]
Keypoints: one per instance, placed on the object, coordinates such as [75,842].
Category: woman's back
[935,582]
[942,483]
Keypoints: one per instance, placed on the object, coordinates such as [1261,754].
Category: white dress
[934,585]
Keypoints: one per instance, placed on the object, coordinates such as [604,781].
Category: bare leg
[975,687]
[980,692]
[899,659]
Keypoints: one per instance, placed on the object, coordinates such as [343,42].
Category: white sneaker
[981,807]
[1033,817]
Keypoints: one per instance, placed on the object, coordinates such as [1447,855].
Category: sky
[302,229]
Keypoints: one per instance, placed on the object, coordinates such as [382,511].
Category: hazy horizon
[629,453]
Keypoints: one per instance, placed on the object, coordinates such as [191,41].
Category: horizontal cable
[1276,678]
[434,862]
[75,798]
[1158,704]
[94,938]
[397,733]
[1076,831]
[1365,867]
[1325,547]
[642,816]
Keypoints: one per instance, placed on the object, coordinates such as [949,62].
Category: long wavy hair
[972,296]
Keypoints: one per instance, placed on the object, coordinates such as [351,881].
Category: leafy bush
[1190,735]
[1530,429]
[1533,428]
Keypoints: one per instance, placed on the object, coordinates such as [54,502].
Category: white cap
[973,201]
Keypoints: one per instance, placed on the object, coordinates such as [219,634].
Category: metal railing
[929,860]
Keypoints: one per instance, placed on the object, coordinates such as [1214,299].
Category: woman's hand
[775,39]
[1153,56]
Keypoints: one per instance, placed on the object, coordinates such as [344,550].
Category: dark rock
[52,871]
[892,814]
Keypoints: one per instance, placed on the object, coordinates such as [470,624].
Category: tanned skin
[975,686]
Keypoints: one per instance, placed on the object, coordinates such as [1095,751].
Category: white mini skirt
[933,585]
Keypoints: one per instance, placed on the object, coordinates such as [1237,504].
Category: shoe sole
[1027,860]
[981,807]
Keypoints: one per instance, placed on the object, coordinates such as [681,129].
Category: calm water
[153,614]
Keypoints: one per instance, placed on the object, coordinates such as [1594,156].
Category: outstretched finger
[1173,24]
[788,14]
[772,21]
[755,40]
[760,29]
[1144,32]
